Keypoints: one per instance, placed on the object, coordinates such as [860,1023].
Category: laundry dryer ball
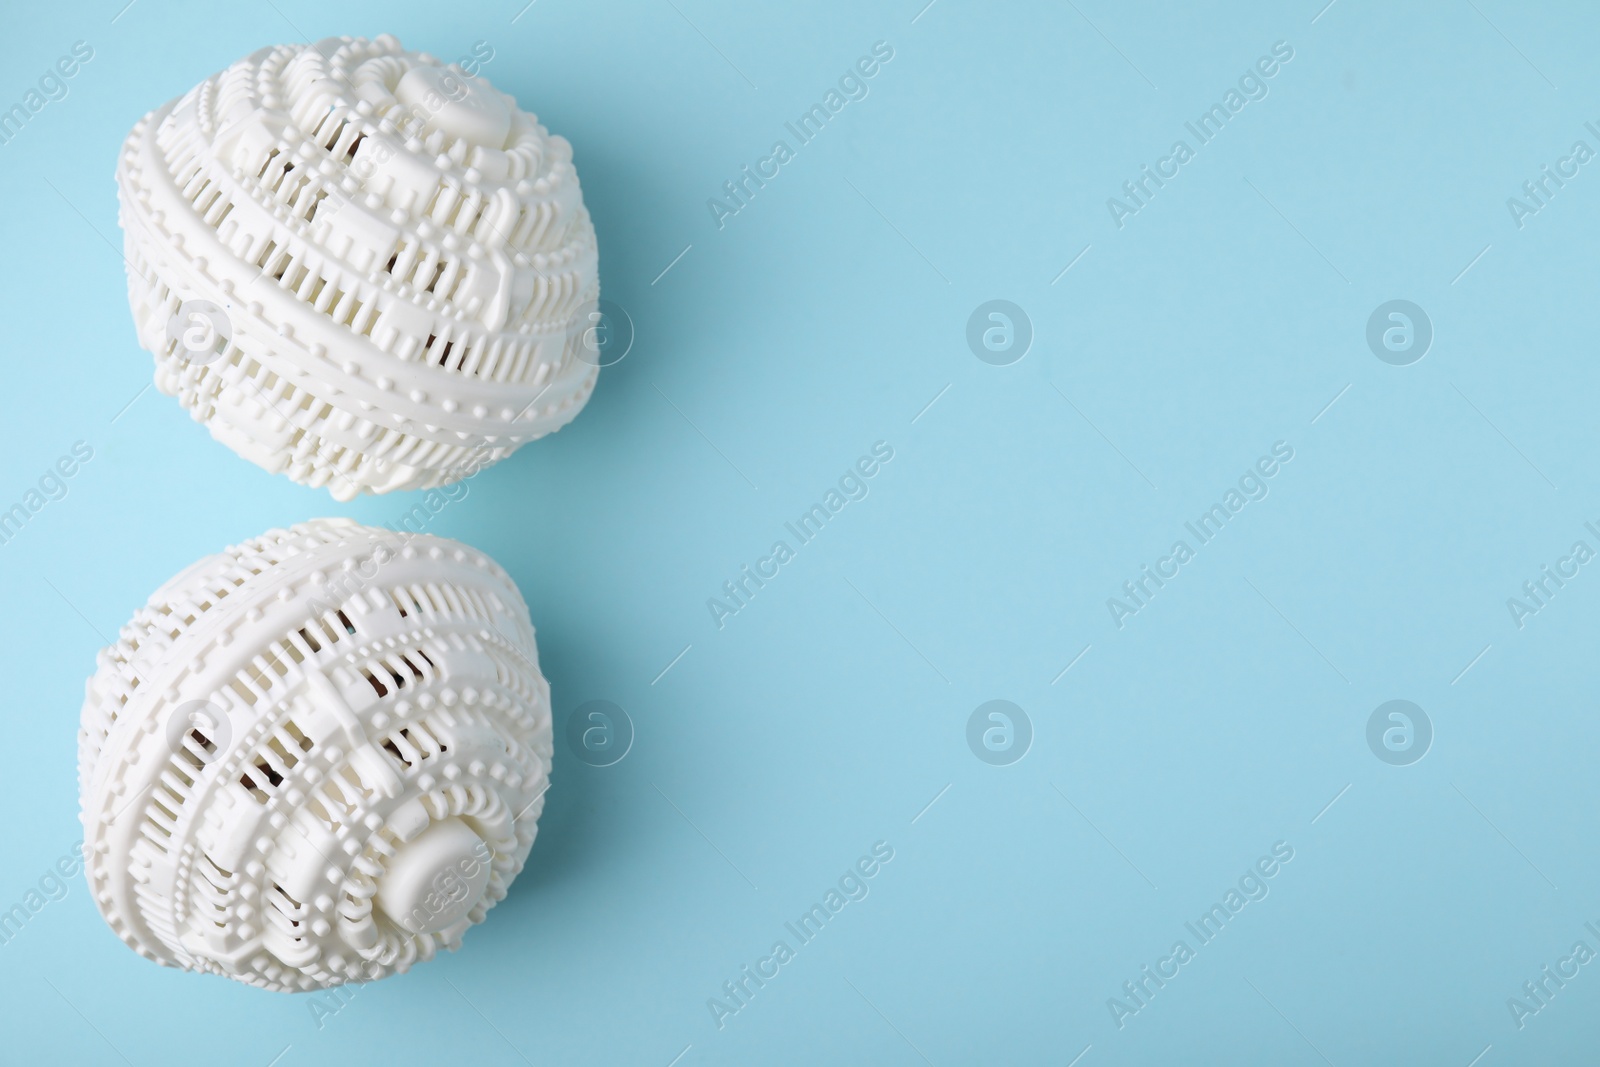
[317,757]
[360,267]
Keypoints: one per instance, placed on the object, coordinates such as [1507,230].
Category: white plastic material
[359,267]
[314,758]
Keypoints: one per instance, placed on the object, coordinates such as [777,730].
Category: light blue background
[1223,718]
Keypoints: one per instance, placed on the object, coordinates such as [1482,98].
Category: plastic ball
[314,758]
[359,267]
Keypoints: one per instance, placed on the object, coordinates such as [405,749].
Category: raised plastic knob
[435,878]
[462,107]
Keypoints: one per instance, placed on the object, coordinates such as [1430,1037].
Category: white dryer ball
[314,758]
[360,268]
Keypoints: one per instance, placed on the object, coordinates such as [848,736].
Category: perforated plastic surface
[316,757]
[359,267]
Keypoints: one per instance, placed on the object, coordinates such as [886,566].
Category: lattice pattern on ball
[314,758]
[359,267]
